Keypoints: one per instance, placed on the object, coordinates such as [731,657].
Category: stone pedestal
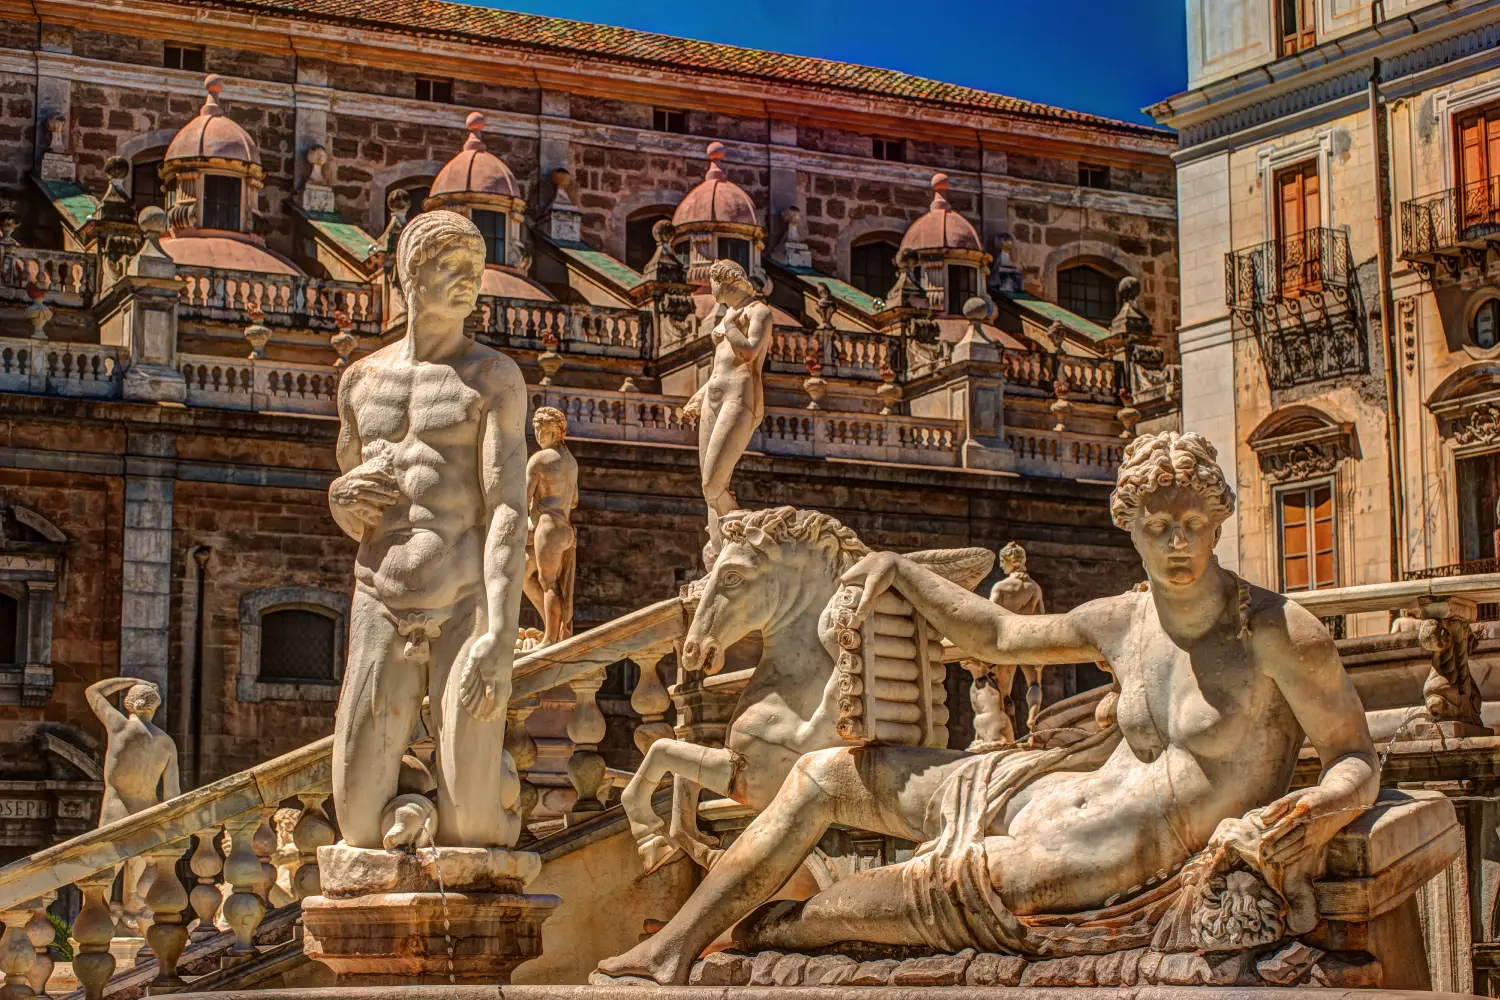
[449,914]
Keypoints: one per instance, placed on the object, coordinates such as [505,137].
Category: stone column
[994,202]
[54,107]
[146,586]
[312,103]
[554,148]
[139,313]
[783,180]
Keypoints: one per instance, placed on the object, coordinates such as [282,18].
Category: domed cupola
[718,220]
[477,183]
[951,254]
[212,171]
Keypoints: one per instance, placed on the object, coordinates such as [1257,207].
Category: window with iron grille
[189,57]
[893,150]
[436,89]
[491,227]
[1091,175]
[963,285]
[145,185]
[298,646]
[221,202]
[1087,292]
[872,267]
[668,120]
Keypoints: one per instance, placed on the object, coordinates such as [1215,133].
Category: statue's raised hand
[484,685]
[875,574]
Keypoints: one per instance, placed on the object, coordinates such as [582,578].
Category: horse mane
[810,527]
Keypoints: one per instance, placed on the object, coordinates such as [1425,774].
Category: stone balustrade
[64,276]
[230,297]
[260,385]
[1068,456]
[579,329]
[841,353]
[89,371]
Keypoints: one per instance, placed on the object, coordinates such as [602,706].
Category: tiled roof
[484,25]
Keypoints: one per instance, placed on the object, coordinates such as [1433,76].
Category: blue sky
[1103,56]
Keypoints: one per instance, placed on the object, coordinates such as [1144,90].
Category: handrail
[1408,595]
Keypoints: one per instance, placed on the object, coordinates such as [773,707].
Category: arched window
[297,646]
[640,245]
[1088,292]
[145,184]
[963,285]
[736,250]
[872,267]
[221,202]
[492,228]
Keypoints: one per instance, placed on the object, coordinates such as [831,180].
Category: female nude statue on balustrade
[1219,680]
[732,403]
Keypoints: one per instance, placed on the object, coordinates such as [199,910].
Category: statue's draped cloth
[950,896]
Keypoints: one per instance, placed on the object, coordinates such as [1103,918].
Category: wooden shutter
[1309,550]
[1298,214]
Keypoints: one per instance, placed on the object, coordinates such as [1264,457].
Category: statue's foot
[653,960]
[656,851]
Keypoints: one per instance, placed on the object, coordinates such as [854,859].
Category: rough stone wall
[467,94]
[88,509]
[835,206]
[17,134]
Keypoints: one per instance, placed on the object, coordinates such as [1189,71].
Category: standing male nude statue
[551,495]
[732,403]
[432,448]
[140,762]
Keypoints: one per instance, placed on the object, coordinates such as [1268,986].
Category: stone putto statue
[551,553]
[432,449]
[731,404]
[140,761]
[1019,594]
[1169,828]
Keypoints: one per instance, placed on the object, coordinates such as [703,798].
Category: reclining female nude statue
[1119,840]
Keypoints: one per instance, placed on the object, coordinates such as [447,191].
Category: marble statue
[729,407]
[140,762]
[776,573]
[1170,827]
[1019,594]
[552,548]
[432,449]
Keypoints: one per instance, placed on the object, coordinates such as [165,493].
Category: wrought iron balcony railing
[1314,264]
[1453,227]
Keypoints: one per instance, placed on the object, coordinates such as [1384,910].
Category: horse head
[775,564]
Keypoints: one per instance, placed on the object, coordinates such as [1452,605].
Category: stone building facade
[971,297]
[1336,194]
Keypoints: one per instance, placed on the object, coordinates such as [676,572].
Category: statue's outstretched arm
[975,625]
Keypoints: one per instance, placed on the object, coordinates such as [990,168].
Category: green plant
[61,950]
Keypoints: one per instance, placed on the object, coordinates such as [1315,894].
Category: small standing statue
[432,452]
[140,762]
[551,495]
[1019,594]
[732,403]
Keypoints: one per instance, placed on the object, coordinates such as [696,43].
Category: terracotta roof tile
[484,25]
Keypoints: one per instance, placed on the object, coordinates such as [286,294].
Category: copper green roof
[512,29]
[71,201]
[604,264]
[346,235]
[843,291]
[1052,311]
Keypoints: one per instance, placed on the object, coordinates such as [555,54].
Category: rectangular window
[436,89]
[668,120]
[893,150]
[1478,492]
[1299,257]
[145,185]
[963,285]
[735,250]
[1299,19]
[1093,176]
[221,202]
[1479,172]
[1306,531]
[491,226]
[189,57]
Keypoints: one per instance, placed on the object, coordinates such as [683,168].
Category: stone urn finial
[257,333]
[342,340]
[815,385]
[888,391]
[38,314]
[57,134]
[551,359]
[8,223]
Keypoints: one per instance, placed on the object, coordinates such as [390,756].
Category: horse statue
[777,574]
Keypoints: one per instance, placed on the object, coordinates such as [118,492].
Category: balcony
[283,300]
[579,329]
[1300,296]
[1451,230]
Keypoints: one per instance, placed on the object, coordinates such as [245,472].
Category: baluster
[585,766]
[650,701]
[244,909]
[41,934]
[313,830]
[522,749]
[93,929]
[263,843]
[17,956]
[205,897]
[168,934]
